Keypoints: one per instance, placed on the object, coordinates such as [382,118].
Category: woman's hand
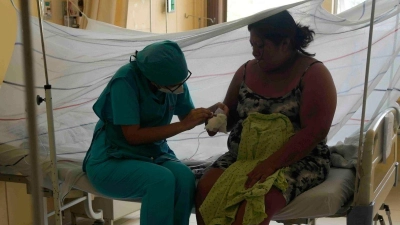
[196,117]
[260,173]
[223,107]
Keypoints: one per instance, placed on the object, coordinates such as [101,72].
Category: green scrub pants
[166,190]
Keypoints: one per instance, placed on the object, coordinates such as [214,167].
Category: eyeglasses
[179,85]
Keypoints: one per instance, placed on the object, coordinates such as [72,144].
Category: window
[343,5]
[241,8]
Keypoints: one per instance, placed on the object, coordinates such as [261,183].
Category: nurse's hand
[196,117]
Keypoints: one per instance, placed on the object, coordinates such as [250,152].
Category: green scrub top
[128,100]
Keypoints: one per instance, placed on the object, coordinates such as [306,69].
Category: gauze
[218,122]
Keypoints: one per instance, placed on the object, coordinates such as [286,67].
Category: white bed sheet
[323,200]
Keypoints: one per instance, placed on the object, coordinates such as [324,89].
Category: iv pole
[37,200]
[359,172]
[50,127]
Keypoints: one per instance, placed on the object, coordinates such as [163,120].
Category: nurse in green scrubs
[129,157]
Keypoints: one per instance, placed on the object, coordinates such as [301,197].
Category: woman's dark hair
[282,25]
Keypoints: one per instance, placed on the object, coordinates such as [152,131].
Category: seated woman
[285,81]
[129,157]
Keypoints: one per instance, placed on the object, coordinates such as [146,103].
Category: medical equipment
[218,122]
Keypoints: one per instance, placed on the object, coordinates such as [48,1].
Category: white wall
[8,24]
[241,8]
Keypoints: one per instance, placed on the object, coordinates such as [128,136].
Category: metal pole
[364,105]
[42,40]
[151,8]
[166,17]
[53,159]
[335,6]
[67,13]
[37,200]
[50,127]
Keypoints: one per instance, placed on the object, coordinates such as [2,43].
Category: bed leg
[89,209]
[73,219]
[299,221]
[360,215]
[45,218]
[381,220]
[104,222]
[108,222]
[387,210]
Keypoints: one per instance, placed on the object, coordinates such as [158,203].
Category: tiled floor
[393,201]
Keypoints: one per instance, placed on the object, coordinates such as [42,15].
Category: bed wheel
[98,222]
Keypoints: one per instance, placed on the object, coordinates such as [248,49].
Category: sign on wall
[47,10]
[170,6]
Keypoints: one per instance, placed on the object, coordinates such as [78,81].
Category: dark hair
[282,25]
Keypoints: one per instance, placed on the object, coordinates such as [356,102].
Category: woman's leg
[274,202]
[133,179]
[204,186]
[184,191]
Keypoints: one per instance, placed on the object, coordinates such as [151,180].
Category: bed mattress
[323,200]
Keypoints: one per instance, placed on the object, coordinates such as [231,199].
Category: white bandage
[218,122]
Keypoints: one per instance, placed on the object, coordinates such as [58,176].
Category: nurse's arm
[136,135]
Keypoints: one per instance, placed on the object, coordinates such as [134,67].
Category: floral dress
[302,175]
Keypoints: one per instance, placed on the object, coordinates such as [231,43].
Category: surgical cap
[163,63]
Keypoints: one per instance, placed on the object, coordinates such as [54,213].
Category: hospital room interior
[48,92]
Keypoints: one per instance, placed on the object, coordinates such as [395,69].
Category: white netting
[81,62]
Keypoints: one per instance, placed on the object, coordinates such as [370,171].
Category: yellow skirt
[262,135]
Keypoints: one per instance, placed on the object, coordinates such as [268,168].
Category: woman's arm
[231,97]
[230,101]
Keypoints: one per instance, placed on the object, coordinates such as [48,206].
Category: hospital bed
[334,197]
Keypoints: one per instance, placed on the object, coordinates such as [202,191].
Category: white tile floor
[393,201]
